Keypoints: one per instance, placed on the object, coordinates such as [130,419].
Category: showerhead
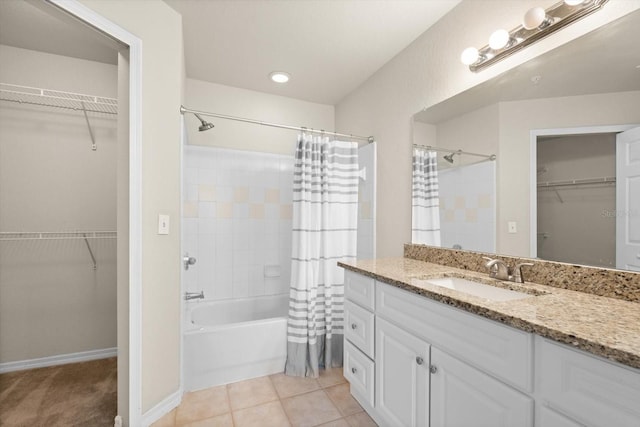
[205,124]
[449,157]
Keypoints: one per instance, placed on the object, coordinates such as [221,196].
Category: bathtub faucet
[193,295]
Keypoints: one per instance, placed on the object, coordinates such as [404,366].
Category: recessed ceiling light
[280,76]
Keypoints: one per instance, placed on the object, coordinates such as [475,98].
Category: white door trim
[82,12]
[533,176]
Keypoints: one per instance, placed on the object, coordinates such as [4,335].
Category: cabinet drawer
[358,327]
[359,289]
[500,350]
[590,390]
[359,371]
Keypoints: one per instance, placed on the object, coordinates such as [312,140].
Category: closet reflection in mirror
[590,85]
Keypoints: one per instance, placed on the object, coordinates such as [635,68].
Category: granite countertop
[602,326]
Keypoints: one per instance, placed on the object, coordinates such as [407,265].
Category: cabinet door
[463,396]
[402,377]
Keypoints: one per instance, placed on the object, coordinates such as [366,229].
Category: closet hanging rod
[446,150]
[572,182]
[183,110]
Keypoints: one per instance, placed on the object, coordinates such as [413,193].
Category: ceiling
[35,25]
[329,47]
[602,61]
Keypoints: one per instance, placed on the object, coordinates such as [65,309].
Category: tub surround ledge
[603,326]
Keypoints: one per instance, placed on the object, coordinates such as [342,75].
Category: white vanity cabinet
[402,377]
[464,396]
[413,361]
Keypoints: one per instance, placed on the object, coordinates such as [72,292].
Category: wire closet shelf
[58,99]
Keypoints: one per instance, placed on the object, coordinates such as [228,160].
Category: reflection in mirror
[453,199]
[555,191]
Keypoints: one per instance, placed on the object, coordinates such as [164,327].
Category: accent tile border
[619,284]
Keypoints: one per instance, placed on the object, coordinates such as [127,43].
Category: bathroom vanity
[419,352]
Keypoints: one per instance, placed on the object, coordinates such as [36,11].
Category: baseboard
[60,359]
[162,408]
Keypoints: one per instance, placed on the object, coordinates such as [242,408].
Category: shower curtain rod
[183,110]
[430,147]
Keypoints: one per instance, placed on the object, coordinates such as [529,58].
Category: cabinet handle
[354,370]
[354,326]
[433,369]
[419,360]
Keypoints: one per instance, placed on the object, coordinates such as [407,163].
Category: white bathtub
[234,340]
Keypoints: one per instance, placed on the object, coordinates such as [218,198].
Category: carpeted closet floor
[78,394]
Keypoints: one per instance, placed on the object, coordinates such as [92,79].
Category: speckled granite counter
[603,326]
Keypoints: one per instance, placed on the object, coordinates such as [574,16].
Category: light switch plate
[512,227]
[163,224]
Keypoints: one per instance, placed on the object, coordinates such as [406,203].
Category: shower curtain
[425,214]
[325,211]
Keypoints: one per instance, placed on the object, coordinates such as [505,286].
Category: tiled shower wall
[237,222]
[366,202]
[468,206]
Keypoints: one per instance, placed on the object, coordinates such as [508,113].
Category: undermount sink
[478,289]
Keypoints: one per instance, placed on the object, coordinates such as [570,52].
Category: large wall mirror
[565,131]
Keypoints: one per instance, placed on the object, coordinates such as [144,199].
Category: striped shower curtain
[325,212]
[425,213]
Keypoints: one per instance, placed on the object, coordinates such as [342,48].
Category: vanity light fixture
[279,76]
[537,23]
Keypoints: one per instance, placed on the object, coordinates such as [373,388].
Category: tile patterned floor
[272,401]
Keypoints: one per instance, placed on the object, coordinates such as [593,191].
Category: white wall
[429,71]
[250,104]
[52,301]
[160,29]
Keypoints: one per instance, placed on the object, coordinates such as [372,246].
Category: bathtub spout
[193,295]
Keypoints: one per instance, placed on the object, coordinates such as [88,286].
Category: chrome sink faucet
[498,269]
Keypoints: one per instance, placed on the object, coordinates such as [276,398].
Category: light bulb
[534,18]
[469,56]
[499,39]
[573,2]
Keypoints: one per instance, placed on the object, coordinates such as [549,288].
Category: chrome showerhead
[449,157]
[205,124]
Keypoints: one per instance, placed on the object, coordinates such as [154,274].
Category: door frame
[89,16]
[533,166]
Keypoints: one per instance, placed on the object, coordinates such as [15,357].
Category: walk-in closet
[58,212]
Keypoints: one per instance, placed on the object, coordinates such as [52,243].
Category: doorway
[128,229]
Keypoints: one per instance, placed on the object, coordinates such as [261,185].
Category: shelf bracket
[93,258]
[93,139]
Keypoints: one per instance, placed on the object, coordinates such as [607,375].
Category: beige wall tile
[245,394]
[365,210]
[224,210]
[286,211]
[449,215]
[272,195]
[241,194]
[256,211]
[484,201]
[460,202]
[206,193]
[190,210]
[265,415]
[471,215]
